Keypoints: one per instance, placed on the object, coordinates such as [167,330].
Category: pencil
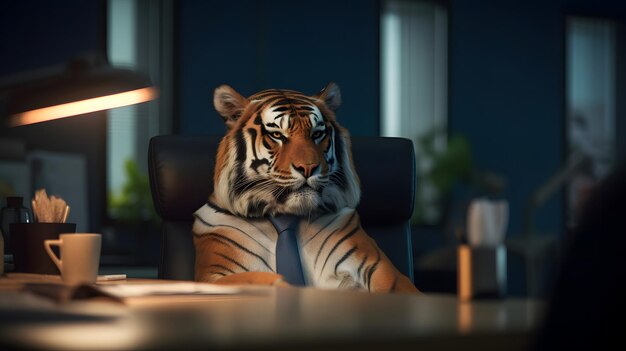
[65,213]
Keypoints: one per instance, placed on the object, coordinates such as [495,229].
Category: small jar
[13,212]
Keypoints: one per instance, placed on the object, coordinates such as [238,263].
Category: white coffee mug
[80,256]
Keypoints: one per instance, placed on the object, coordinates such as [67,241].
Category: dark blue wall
[507,95]
[255,45]
[37,34]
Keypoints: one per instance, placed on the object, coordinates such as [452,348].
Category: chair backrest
[181,179]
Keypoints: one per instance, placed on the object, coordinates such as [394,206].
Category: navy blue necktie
[287,255]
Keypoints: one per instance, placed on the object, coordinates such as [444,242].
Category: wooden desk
[271,318]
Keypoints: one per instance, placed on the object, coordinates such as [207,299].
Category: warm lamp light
[84,86]
[82,107]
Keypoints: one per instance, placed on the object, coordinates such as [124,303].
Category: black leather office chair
[181,179]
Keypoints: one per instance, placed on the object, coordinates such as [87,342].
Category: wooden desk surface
[270,318]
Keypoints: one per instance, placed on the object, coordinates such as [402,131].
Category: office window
[139,37]
[414,90]
[590,105]
[122,124]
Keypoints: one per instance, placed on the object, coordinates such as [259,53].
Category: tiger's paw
[253,278]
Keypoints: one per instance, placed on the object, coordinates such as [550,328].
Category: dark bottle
[13,212]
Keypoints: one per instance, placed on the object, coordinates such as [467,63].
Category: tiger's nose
[305,169]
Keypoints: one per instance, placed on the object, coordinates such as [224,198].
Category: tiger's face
[284,153]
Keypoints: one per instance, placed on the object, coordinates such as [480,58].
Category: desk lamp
[535,248]
[87,84]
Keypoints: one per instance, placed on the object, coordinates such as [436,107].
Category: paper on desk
[179,288]
[487,221]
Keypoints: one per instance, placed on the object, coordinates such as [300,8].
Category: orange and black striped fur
[285,153]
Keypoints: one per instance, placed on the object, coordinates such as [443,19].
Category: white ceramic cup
[80,256]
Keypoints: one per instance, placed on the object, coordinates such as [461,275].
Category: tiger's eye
[276,135]
[318,134]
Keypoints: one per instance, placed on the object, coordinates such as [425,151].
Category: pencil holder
[29,254]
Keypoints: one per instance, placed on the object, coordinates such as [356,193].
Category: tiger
[285,153]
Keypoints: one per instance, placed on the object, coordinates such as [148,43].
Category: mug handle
[48,246]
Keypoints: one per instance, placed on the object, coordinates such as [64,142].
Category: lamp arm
[576,162]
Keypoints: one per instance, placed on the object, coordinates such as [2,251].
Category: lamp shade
[82,87]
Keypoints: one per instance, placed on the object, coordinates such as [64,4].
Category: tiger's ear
[229,104]
[331,96]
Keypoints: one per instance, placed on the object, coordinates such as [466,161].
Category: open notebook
[51,286]
[118,292]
